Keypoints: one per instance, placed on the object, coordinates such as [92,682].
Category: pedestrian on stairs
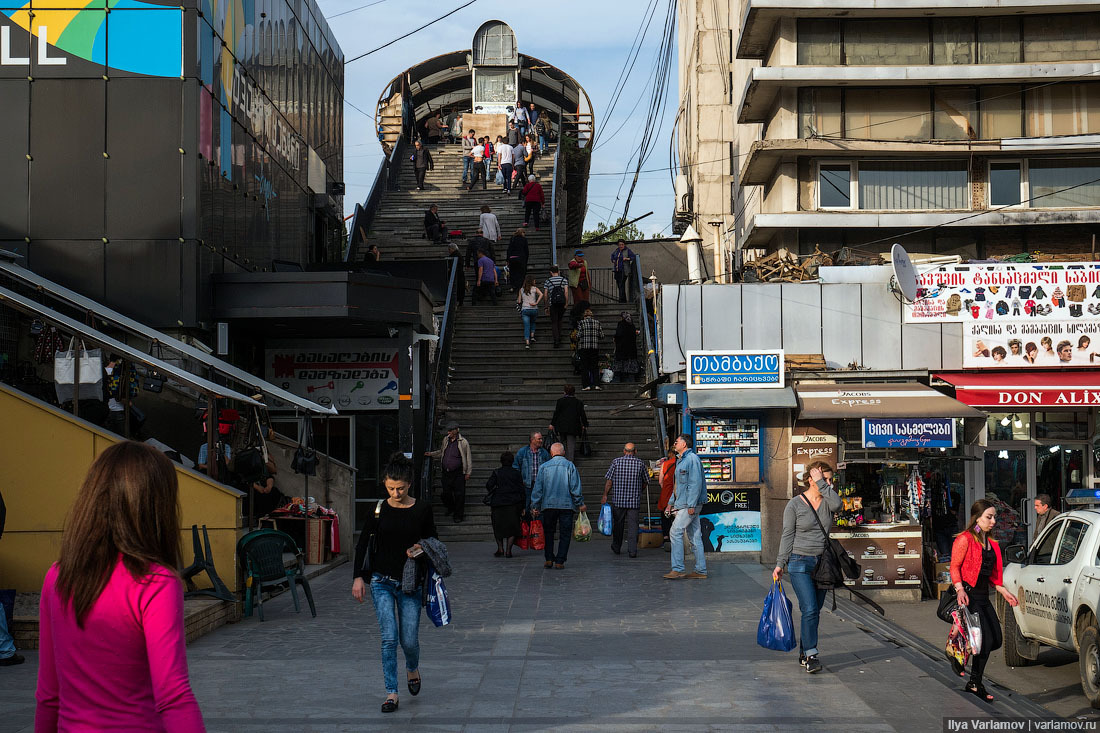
[505,156]
[578,263]
[542,128]
[487,280]
[622,262]
[490,153]
[519,165]
[528,460]
[468,144]
[476,244]
[488,224]
[556,495]
[533,199]
[668,485]
[422,163]
[518,252]
[687,501]
[434,227]
[513,133]
[528,300]
[624,481]
[556,288]
[454,458]
[625,364]
[506,497]
[589,333]
[477,167]
[569,420]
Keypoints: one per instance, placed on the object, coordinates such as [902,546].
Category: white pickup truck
[1057,582]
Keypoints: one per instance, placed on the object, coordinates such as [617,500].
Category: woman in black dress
[518,253]
[397,524]
[506,497]
[625,363]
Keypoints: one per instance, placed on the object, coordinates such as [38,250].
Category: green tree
[630,233]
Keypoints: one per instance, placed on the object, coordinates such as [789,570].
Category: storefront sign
[350,374]
[1030,345]
[1007,293]
[735,369]
[730,520]
[928,432]
[1030,396]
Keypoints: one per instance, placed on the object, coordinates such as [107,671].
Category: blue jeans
[529,316]
[810,600]
[542,144]
[467,162]
[557,521]
[7,643]
[398,618]
[687,523]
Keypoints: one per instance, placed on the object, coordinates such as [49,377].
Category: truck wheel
[1090,665]
[1012,636]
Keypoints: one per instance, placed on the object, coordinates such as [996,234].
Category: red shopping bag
[536,539]
[523,542]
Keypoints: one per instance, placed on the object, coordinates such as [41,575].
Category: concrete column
[405,436]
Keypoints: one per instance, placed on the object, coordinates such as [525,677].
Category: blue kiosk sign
[735,369]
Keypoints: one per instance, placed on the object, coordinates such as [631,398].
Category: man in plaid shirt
[589,333]
[626,477]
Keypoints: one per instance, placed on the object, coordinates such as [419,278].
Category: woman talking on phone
[802,543]
[390,536]
[975,568]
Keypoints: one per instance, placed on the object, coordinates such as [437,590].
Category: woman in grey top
[801,544]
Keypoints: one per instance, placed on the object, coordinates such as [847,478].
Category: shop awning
[1023,389]
[854,401]
[742,399]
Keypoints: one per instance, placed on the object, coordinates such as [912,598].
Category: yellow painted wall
[44,455]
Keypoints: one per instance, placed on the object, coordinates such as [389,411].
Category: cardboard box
[940,588]
[316,532]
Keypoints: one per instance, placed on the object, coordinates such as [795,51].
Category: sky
[587,39]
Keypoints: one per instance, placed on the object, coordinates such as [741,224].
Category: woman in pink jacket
[112,654]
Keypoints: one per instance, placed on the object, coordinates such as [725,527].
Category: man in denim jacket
[556,494]
[687,502]
[529,459]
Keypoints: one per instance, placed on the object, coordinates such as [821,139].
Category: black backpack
[557,295]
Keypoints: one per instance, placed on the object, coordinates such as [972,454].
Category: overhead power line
[417,30]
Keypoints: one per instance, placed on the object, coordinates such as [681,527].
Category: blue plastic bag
[776,630]
[604,523]
[439,605]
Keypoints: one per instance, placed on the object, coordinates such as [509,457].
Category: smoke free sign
[927,432]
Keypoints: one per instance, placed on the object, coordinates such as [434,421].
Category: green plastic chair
[261,554]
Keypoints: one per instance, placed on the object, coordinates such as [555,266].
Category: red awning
[1026,388]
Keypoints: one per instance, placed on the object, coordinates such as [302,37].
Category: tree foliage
[630,233]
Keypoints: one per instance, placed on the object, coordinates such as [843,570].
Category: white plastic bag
[606,376]
[973,628]
[91,365]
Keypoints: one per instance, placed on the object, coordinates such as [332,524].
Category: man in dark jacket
[477,244]
[422,163]
[569,420]
[434,227]
[8,657]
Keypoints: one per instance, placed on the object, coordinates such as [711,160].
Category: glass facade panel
[891,185]
[954,113]
[494,86]
[887,114]
[1063,109]
[834,186]
[1050,179]
[1062,38]
[953,41]
[1009,425]
[819,43]
[819,113]
[886,42]
[1004,184]
[999,40]
[1001,112]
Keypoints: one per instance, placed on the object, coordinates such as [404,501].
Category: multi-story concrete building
[822,124]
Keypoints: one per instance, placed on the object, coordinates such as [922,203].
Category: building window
[887,114]
[1002,112]
[819,43]
[1064,183]
[893,185]
[953,41]
[999,41]
[1006,183]
[1063,109]
[819,112]
[885,42]
[1056,38]
[834,186]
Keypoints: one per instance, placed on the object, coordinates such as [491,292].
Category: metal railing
[554,199]
[438,377]
[651,372]
[384,180]
[603,288]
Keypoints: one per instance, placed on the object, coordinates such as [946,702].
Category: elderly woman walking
[506,496]
[625,363]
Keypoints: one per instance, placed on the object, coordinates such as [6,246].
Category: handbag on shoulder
[834,564]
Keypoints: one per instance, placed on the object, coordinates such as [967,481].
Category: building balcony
[765,82]
[762,227]
[765,156]
[761,16]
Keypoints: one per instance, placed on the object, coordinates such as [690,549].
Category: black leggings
[991,634]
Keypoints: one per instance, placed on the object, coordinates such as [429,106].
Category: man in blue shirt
[622,261]
[556,494]
[687,502]
[528,460]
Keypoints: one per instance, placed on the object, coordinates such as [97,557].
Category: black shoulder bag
[371,544]
[305,457]
[834,564]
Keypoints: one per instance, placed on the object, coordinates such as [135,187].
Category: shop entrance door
[1010,477]
[1058,469]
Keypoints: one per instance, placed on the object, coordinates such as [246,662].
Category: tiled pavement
[604,645]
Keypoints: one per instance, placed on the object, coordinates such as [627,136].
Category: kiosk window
[1071,540]
[1044,552]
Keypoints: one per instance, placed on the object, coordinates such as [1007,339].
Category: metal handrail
[650,349]
[437,381]
[384,181]
[554,204]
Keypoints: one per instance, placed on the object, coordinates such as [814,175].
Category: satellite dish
[904,274]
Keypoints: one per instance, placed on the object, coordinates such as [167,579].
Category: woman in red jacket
[533,199]
[975,568]
[668,486]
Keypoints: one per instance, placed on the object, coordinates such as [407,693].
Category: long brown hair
[128,504]
[977,509]
[528,283]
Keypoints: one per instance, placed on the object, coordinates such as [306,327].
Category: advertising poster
[890,559]
[730,520]
[352,375]
[993,293]
[1031,345]
[809,444]
[928,432]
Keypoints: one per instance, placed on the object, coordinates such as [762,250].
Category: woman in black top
[506,497]
[397,524]
[517,259]
[625,363]
[569,420]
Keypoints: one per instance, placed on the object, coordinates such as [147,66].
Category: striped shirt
[555,281]
[628,476]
